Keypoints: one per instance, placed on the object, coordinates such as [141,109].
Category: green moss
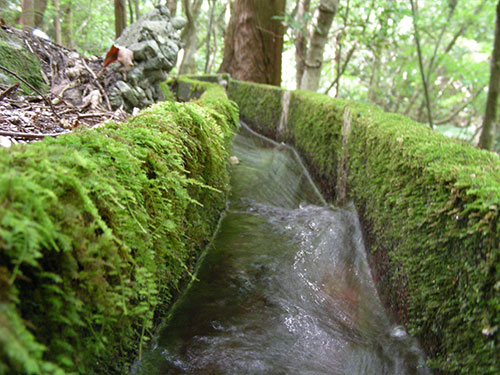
[430,208]
[15,57]
[263,111]
[98,227]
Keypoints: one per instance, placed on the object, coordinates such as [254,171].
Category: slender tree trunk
[120,17]
[218,23]
[67,26]
[131,12]
[300,40]
[254,41]
[28,14]
[489,129]
[189,36]
[172,7]
[318,38]
[57,22]
[208,51]
[137,10]
[421,64]
[374,78]
[39,8]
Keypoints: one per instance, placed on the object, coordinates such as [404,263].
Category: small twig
[28,135]
[9,90]
[31,87]
[101,89]
[84,115]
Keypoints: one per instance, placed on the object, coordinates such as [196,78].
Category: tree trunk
[189,36]
[314,60]
[131,12]
[57,22]
[172,7]
[39,9]
[254,41]
[120,17]
[137,10]
[28,14]
[489,129]
[208,51]
[301,41]
[67,26]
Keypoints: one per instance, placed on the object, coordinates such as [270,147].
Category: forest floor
[75,97]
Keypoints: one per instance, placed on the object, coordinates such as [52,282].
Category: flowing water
[285,287]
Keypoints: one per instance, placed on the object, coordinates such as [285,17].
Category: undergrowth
[97,229]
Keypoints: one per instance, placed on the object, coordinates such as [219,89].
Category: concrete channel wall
[429,207]
[99,227]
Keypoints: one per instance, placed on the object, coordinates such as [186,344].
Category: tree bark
[39,9]
[208,51]
[28,14]
[120,17]
[131,12]
[57,22]
[300,40]
[314,60]
[189,36]
[67,26]
[137,10]
[172,7]
[489,129]
[254,41]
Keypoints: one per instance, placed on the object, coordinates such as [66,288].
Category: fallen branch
[31,87]
[101,89]
[9,90]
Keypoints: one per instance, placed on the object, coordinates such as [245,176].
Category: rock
[234,160]
[5,142]
[178,23]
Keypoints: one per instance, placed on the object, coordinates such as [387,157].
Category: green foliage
[431,210]
[14,56]
[97,230]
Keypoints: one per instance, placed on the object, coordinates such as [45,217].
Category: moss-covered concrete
[430,210]
[99,227]
[16,57]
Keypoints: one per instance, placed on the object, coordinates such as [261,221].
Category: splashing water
[284,289]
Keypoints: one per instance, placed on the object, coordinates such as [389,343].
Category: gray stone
[145,50]
[115,98]
[157,76]
[128,93]
[178,23]
[140,94]
[163,10]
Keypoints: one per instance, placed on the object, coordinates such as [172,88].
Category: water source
[285,287]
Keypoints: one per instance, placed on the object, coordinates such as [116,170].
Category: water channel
[285,287]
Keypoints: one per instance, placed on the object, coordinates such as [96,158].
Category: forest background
[426,59]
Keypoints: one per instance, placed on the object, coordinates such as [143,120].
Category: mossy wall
[430,211]
[99,227]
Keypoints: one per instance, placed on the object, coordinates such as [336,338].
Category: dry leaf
[125,57]
[121,54]
[111,56]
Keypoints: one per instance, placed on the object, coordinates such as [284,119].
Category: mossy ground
[98,228]
[15,57]
[430,208]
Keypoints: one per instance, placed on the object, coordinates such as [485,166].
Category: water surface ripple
[284,289]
